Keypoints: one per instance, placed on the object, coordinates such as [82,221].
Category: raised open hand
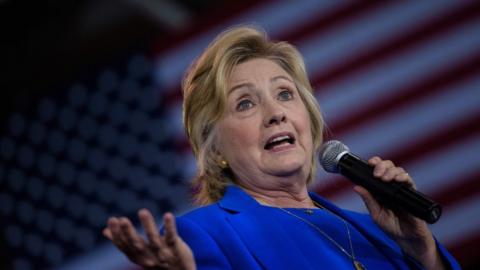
[166,251]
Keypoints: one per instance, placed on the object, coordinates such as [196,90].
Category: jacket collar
[237,200]
[265,239]
[251,220]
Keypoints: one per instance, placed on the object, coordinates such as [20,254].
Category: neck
[282,198]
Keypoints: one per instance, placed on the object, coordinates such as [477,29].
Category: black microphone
[336,158]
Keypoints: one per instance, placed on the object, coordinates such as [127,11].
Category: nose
[274,115]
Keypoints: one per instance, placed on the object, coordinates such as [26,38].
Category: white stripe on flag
[370,86]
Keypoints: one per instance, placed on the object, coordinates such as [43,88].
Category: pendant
[358,265]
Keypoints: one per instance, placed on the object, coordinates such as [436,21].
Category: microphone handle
[389,194]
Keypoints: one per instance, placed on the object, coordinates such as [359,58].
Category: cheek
[306,129]
[244,138]
[237,138]
[305,123]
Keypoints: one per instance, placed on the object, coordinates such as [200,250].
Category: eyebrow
[250,85]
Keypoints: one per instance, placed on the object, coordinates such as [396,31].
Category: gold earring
[223,164]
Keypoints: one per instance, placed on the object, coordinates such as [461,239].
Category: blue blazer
[238,233]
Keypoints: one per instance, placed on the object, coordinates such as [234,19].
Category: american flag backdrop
[398,79]
[395,79]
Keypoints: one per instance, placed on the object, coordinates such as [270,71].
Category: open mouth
[279,140]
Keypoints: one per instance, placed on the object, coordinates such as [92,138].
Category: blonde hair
[204,100]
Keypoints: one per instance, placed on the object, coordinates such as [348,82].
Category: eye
[285,95]
[244,105]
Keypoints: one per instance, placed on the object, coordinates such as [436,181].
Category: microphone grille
[330,153]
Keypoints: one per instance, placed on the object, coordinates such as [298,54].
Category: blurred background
[90,102]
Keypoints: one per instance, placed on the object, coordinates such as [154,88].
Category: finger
[112,224]
[374,160]
[372,205]
[132,237]
[107,233]
[133,245]
[170,229]
[405,178]
[151,230]
[138,249]
[392,173]
[114,227]
[123,223]
[381,167]
[117,236]
[120,230]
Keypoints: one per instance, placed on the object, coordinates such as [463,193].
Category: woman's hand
[412,234]
[157,252]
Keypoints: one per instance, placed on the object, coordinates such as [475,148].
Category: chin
[287,167]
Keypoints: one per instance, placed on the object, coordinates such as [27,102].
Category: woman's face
[266,127]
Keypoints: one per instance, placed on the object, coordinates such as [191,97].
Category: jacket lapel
[371,231]
[266,239]
[271,244]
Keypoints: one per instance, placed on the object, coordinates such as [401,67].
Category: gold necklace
[358,265]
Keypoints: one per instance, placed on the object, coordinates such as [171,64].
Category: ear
[217,156]
[220,159]
[215,149]
[223,164]
[215,145]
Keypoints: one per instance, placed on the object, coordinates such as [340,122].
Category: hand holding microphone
[336,158]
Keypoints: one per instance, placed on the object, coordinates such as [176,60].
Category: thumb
[372,205]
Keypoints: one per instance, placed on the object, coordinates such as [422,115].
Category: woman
[255,128]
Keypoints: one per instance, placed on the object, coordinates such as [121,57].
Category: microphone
[335,157]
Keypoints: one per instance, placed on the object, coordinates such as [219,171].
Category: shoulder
[199,227]
[199,214]
[234,201]
[202,219]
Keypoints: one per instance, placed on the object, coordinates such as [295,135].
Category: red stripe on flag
[420,33]
[459,190]
[427,87]
[326,22]
[466,250]
[450,135]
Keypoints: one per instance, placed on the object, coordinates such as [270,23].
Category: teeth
[280,140]
[285,137]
